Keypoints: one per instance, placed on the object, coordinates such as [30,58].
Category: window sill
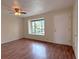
[37,35]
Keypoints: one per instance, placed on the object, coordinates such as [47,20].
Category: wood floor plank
[31,49]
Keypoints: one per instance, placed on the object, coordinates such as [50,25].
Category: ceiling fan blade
[10,12]
[23,12]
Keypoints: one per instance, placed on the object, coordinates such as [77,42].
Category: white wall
[50,28]
[75,28]
[11,27]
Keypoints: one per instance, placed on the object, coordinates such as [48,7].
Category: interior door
[62,28]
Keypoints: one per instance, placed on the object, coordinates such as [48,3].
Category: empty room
[39,29]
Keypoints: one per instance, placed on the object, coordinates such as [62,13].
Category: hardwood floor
[31,49]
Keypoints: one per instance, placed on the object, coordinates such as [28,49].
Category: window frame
[30,30]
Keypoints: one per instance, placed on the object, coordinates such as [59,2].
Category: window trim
[30,26]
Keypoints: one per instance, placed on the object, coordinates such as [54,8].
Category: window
[36,27]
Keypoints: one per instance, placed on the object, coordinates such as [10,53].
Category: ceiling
[34,7]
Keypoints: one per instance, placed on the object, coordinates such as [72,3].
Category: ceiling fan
[16,10]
